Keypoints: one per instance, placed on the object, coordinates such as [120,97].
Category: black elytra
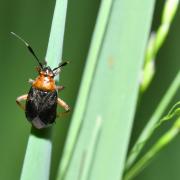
[41,107]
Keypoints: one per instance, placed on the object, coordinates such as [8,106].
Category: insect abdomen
[41,107]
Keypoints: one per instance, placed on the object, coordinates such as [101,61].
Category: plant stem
[156,41]
[37,160]
[96,43]
[149,128]
[161,143]
[109,93]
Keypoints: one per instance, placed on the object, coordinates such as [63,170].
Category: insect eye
[51,74]
[46,74]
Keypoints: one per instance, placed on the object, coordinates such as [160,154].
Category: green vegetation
[38,153]
[123,78]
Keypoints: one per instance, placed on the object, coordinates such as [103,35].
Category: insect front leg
[61,103]
[30,81]
[59,88]
[21,98]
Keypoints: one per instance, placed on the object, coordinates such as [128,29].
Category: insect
[42,100]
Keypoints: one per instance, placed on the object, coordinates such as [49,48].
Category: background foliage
[32,20]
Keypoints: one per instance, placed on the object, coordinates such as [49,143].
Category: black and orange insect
[42,100]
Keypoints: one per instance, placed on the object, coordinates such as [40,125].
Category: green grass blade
[113,94]
[38,153]
[161,143]
[38,156]
[55,45]
[89,151]
[86,86]
[156,41]
[148,130]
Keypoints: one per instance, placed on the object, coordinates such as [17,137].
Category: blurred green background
[32,20]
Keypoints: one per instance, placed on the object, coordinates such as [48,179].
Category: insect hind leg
[21,98]
[63,104]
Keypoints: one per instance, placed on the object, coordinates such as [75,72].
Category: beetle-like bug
[42,99]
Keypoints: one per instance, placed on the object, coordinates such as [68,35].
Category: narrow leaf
[113,94]
[85,86]
[148,130]
[161,143]
[38,153]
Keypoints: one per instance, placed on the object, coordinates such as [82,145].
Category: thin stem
[85,86]
[156,41]
[37,160]
[149,128]
[161,143]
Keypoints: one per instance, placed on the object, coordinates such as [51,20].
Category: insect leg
[61,103]
[30,81]
[59,88]
[19,99]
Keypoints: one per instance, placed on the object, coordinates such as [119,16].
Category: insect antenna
[29,48]
[61,65]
